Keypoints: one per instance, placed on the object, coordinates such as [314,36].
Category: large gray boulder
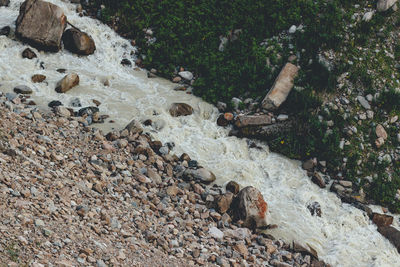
[281,87]
[384,5]
[78,42]
[41,24]
[250,207]
[4,2]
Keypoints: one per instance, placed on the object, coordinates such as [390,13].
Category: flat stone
[252,120]
[23,89]
[364,103]
[214,232]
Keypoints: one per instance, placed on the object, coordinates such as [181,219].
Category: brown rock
[41,24]
[38,78]
[318,180]
[223,202]
[382,219]
[392,234]
[379,142]
[252,120]
[233,187]
[78,42]
[28,53]
[309,165]
[172,190]
[69,81]
[281,87]
[221,121]
[380,132]
[180,109]
[241,248]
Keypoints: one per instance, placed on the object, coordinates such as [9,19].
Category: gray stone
[187,75]
[22,89]
[201,174]
[4,2]
[363,102]
[384,5]
[214,232]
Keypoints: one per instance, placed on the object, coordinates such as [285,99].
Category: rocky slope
[71,196]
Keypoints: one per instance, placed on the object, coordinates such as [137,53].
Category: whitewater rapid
[343,236]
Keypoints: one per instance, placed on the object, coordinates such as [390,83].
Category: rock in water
[250,207]
[134,127]
[23,89]
[28,53]
[69,81]
[201,174]
[180,109]
[392,234]
[4,2]
[281,88]
[384,5]
[38,78]
[41,24]
[78,42]
[382,219]
[5,30]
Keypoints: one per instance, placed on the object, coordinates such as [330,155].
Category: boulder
[180,109]
[392,234]
[252,120]
[203,175]
[4,2]
[41,24]
[69,81]
[318,180]
[281,87]
[382,219]
[22,89]
[384,5]
[28,53]
[78,42]
[187,75]
[250,207]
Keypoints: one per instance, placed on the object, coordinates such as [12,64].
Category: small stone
[380,132]
[38,78]
[214,232]
[22,89]
[28,53]
[363,102]
[187,75]
[67,83]
[233,187]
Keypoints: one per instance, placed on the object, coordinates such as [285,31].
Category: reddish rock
[382,219]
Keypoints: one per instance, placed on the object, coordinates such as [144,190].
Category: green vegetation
[187,34]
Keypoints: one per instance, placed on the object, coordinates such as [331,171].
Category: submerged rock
[41,24]
[180,109]
[382,219]
[281,88]
[38,78]
[4,2]
[28,53]
[392,234]
[5,30]
[250,207]
[78,42]
[69,81]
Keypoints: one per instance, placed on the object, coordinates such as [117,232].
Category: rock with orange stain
[250,207]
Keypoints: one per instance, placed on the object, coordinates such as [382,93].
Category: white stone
[216,233]
[368,16]
[292,29]
[187,75]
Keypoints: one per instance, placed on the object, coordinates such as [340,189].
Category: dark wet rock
[78,42]
[315,209]
[4,2]
[233,187]
[61,70]
[23,89]
[5,30]
[41,24]
[392,234]
[309,165]
[126,62]
[180,109]
[318,180]
[305,250]
[88,111]
[54,103]
[28,53]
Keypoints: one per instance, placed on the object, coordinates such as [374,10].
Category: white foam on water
[343,236]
